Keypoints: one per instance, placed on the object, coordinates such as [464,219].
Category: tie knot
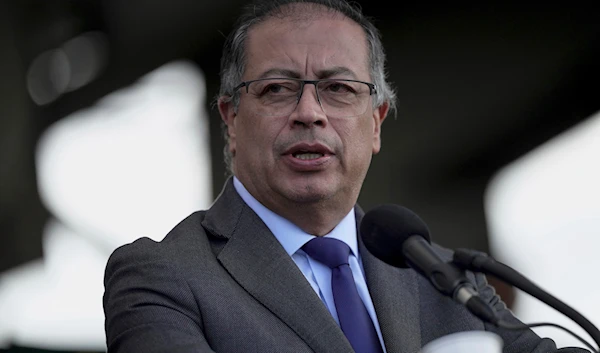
[328,251]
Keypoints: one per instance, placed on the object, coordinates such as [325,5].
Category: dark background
[478,86]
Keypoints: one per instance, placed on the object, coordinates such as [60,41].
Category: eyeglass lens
[338,98]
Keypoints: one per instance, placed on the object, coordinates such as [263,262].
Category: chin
[308,193]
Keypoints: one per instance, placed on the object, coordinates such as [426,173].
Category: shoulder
[186,235]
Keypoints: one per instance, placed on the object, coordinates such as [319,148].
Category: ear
[379,116]
[228,115]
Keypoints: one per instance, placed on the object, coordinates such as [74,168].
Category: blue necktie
[354,318]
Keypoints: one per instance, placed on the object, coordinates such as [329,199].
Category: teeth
[306,156]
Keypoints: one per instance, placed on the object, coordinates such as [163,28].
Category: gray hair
[233,58]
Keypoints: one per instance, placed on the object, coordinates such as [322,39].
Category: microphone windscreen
[385,228]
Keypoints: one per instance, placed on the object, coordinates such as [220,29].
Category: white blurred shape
[544,219]
[17,286]
[54,304]
[466,342]
[134,164]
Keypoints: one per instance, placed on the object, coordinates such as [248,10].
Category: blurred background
[108,134]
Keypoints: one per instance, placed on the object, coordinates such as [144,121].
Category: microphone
[400,238]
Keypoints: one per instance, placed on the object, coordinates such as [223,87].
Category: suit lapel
[258,262]
[395,295]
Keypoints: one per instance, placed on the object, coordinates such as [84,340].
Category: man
[303,99]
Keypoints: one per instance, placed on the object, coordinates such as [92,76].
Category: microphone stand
[480,262]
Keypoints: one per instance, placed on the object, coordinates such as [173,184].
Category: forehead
[307,41]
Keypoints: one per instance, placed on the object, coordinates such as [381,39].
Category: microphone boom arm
[480,262]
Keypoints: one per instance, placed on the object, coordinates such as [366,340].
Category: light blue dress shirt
[292,238]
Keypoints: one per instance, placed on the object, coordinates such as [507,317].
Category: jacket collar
[258,262]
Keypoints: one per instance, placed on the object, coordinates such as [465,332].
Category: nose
[309,111]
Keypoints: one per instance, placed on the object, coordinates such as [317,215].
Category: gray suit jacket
[221,282]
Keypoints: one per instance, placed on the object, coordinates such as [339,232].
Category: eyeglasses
[337,98]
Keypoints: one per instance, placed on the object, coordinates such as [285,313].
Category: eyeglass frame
[372,86]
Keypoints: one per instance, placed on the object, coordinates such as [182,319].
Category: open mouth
[307,155]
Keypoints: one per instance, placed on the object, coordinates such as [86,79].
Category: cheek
[357,138]
[360,132]
[258,135]
[248,127]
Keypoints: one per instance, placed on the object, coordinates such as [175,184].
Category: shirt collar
[291,236]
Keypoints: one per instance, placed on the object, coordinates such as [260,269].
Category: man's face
[306,156]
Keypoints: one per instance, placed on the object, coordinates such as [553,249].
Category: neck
[316,215]
[316,219]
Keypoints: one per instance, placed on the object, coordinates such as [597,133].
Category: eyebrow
[335,71]
[279,73]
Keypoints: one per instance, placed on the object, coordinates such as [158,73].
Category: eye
[277,87]
[338,87]
[273,88]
